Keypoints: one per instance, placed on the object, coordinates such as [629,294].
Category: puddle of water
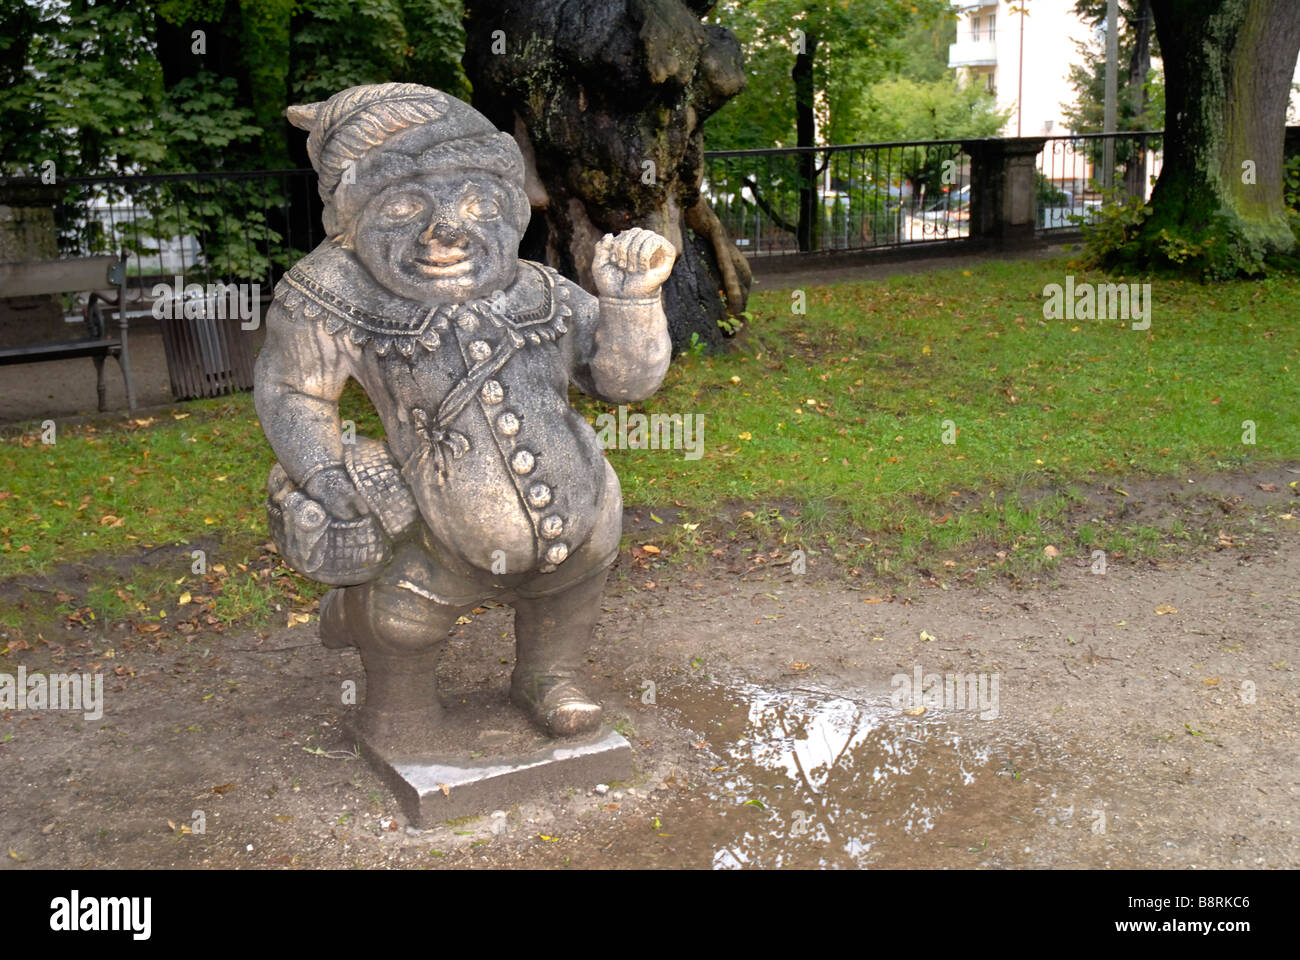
[811,780]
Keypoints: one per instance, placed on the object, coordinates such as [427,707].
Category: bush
[1112,228]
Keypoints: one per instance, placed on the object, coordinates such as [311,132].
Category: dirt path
[1123,736]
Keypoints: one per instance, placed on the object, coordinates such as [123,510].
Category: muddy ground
[1144,717]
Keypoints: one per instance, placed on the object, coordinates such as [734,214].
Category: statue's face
[441,239]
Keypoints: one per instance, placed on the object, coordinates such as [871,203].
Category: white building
[994,37]
[1022,52]
[1293,111]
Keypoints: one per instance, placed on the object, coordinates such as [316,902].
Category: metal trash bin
[207,356]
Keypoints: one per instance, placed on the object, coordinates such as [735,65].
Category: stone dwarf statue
[489,484]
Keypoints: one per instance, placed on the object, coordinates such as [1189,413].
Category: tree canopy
[127,86]
[841,49]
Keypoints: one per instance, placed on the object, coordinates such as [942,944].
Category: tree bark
[1228,67]
[806,137]
[607,99]
[1135,175]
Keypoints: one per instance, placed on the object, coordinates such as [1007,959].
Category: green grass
[831,429]
[1035,403]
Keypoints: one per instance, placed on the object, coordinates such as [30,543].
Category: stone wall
[27,232]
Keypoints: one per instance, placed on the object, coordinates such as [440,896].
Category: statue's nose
[443,232]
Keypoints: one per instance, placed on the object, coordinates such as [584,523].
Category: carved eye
[482,208]
[402,208]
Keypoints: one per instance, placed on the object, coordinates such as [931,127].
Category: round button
[539,495]
[557,552]
[508,424]
[492,392]
[480,350]
[523,462]
[552,527]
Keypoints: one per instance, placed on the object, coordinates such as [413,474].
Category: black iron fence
[869,195]
[1072,181]
[251,226]
[840,198]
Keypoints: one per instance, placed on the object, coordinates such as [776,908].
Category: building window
[975,29]
[989,83]
[991,19]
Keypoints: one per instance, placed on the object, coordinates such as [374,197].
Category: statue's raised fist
[633,264]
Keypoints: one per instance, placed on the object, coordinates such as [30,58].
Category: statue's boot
[398,634]
[333,628]
[552,635]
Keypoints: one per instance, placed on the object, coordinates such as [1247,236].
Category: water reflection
[816,780]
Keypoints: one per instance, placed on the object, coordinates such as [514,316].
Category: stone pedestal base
[490,757]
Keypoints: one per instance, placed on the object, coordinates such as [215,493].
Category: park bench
[84,274]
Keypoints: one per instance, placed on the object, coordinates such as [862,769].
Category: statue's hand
[632,265]
[333,489]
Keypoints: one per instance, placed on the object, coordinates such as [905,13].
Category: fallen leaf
[1267,487]
[800,665]
[926,637]
[1165,608]
[1211,681]
[649,548]
[446,790]
[1050,551]
[915,711]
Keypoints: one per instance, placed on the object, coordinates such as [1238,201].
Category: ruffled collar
[390,323]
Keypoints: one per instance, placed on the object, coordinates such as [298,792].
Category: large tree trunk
[1228,66]
[607,99]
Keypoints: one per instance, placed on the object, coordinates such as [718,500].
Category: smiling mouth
[446,261]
